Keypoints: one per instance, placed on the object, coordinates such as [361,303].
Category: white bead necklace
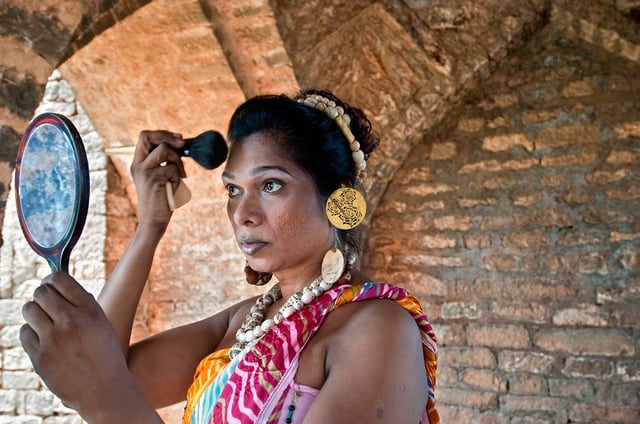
[255,325]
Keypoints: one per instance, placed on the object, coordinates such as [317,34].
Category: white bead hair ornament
[343,121]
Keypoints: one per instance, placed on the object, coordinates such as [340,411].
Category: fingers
[65,287]
[157,147]
[36,323]
[148,140]
[30,342]
[161,182]
[52,301]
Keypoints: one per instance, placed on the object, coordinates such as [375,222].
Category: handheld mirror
[52,188]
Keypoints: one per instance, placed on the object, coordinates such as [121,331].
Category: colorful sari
[251,387]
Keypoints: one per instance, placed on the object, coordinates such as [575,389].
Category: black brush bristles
[209,149]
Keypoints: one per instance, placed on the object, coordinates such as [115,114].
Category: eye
[272,186]
[232,190]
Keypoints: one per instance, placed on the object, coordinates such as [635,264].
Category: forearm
[127,405]
[121,294]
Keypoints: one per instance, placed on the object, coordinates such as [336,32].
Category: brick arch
[410,63]
[35,38]
[38,37]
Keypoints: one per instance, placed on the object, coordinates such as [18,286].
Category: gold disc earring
[346,208]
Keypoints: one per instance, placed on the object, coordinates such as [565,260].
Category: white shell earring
[333,265]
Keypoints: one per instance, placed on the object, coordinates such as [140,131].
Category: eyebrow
[260,169]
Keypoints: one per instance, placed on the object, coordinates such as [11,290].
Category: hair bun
[362,130]
[360,124]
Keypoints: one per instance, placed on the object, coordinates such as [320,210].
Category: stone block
[498,335]
[527,384]
[586,341]
[483,379]
[579,315]
[584,367]
[595,412]
[10,336]
[514,403]
[12,419]
[15,359]
[457,310]
[526,239]
[629,370]
[571,388]
[20,380]
[41,403]
[468,398]
[460,357]
[11,312]
[577,159]
[505,142]
[8,399]
[524,361]
[521,311]
[453,222]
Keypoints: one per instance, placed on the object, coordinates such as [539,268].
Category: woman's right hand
[156,164]
[74,349]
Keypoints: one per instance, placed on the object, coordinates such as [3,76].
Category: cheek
[290,223]
[303,222]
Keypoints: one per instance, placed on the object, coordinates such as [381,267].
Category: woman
[309,350]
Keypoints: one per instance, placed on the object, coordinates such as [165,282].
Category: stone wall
[517,223]
[23,397]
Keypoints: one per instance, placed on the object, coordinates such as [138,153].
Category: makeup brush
[208,149]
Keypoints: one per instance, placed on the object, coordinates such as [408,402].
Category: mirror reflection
[48,185]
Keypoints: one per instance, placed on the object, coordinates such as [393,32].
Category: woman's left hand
[74,349]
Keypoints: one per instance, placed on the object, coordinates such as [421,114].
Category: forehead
[258,149]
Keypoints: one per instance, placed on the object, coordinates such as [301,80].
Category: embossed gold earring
[346,208]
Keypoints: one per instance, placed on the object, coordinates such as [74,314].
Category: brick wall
[515,219]
[517,222]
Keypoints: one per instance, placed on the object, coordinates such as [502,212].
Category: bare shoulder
[381,323]
[374,366]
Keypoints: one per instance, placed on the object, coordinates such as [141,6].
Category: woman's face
[274,207]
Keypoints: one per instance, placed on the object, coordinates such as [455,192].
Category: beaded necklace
[255,325]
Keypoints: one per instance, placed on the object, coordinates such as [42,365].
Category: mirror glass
[52,187]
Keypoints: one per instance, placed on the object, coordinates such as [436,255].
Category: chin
[259,266]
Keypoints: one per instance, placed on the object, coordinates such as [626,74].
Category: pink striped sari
[252,387]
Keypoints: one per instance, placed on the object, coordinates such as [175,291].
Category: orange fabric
[205,373]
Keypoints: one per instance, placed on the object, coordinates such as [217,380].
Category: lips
[250,247]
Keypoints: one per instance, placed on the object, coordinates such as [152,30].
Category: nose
[245,210]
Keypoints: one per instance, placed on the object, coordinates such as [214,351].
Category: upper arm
[375,369]
[163,365]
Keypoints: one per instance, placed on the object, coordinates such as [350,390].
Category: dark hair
[313,140]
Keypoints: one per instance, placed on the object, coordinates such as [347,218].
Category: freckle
[380,412]
[403,388]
